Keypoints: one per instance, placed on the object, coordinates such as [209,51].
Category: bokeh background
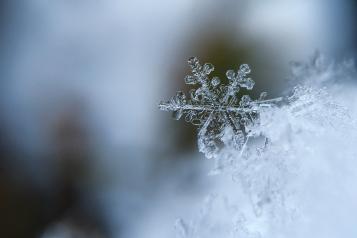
[84,150]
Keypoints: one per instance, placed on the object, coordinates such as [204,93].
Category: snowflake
[215,108]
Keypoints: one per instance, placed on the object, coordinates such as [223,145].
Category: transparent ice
[215,107]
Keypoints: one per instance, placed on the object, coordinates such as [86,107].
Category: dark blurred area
[84,151]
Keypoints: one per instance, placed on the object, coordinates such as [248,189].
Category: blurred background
[84,150]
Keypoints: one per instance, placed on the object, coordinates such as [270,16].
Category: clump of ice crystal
[284,162]
[216,108]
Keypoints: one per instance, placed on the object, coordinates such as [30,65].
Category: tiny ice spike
[215,108]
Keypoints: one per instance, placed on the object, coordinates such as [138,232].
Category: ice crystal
[285,153]
[214,107]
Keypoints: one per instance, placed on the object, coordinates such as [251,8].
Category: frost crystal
[284,153]
[215,107]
